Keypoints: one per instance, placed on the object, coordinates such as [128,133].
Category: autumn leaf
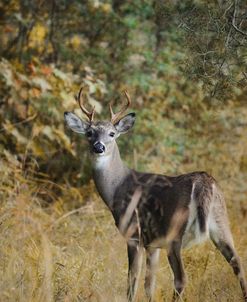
[37,36]
[46,70]
[34,92]
[6,72]
[75,42]
[41,83]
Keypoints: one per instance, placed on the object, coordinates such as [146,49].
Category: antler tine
[80,101]
[116,116]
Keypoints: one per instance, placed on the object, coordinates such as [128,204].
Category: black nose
[98,148]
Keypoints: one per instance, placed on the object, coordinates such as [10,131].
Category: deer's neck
[109,172]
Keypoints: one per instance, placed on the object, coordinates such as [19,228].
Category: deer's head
[101,135]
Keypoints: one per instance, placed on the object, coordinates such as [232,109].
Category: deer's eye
[112,134]
[89,133]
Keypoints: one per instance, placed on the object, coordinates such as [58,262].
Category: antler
[116,116]
[80,101]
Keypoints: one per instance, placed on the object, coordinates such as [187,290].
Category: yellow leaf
[75,42]
[37,36]
[106,8]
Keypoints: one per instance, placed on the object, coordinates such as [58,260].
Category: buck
[154,211]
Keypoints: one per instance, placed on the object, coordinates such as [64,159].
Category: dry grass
[59,255]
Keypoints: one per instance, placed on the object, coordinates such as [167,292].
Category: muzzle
[98,147]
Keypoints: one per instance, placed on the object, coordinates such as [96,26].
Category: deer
[154,211]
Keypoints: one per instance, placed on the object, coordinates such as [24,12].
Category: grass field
[79,256]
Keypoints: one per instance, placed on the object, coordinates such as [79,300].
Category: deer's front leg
[151,265]
[176,264]
[135,253]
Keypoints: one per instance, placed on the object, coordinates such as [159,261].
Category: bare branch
[234,20]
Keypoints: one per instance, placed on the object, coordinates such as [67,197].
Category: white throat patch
[101,161]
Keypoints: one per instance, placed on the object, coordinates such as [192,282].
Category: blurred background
[184,63]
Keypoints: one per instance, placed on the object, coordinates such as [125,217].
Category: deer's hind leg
[176,263]
[221,236]
[152,259]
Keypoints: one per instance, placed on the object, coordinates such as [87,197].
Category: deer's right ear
[126,123]
[75,123]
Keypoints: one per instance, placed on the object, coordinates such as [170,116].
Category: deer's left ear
[126,123]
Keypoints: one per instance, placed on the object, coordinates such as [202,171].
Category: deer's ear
[75,123]
[126,123]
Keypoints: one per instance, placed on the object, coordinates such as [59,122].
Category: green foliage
[32,117]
